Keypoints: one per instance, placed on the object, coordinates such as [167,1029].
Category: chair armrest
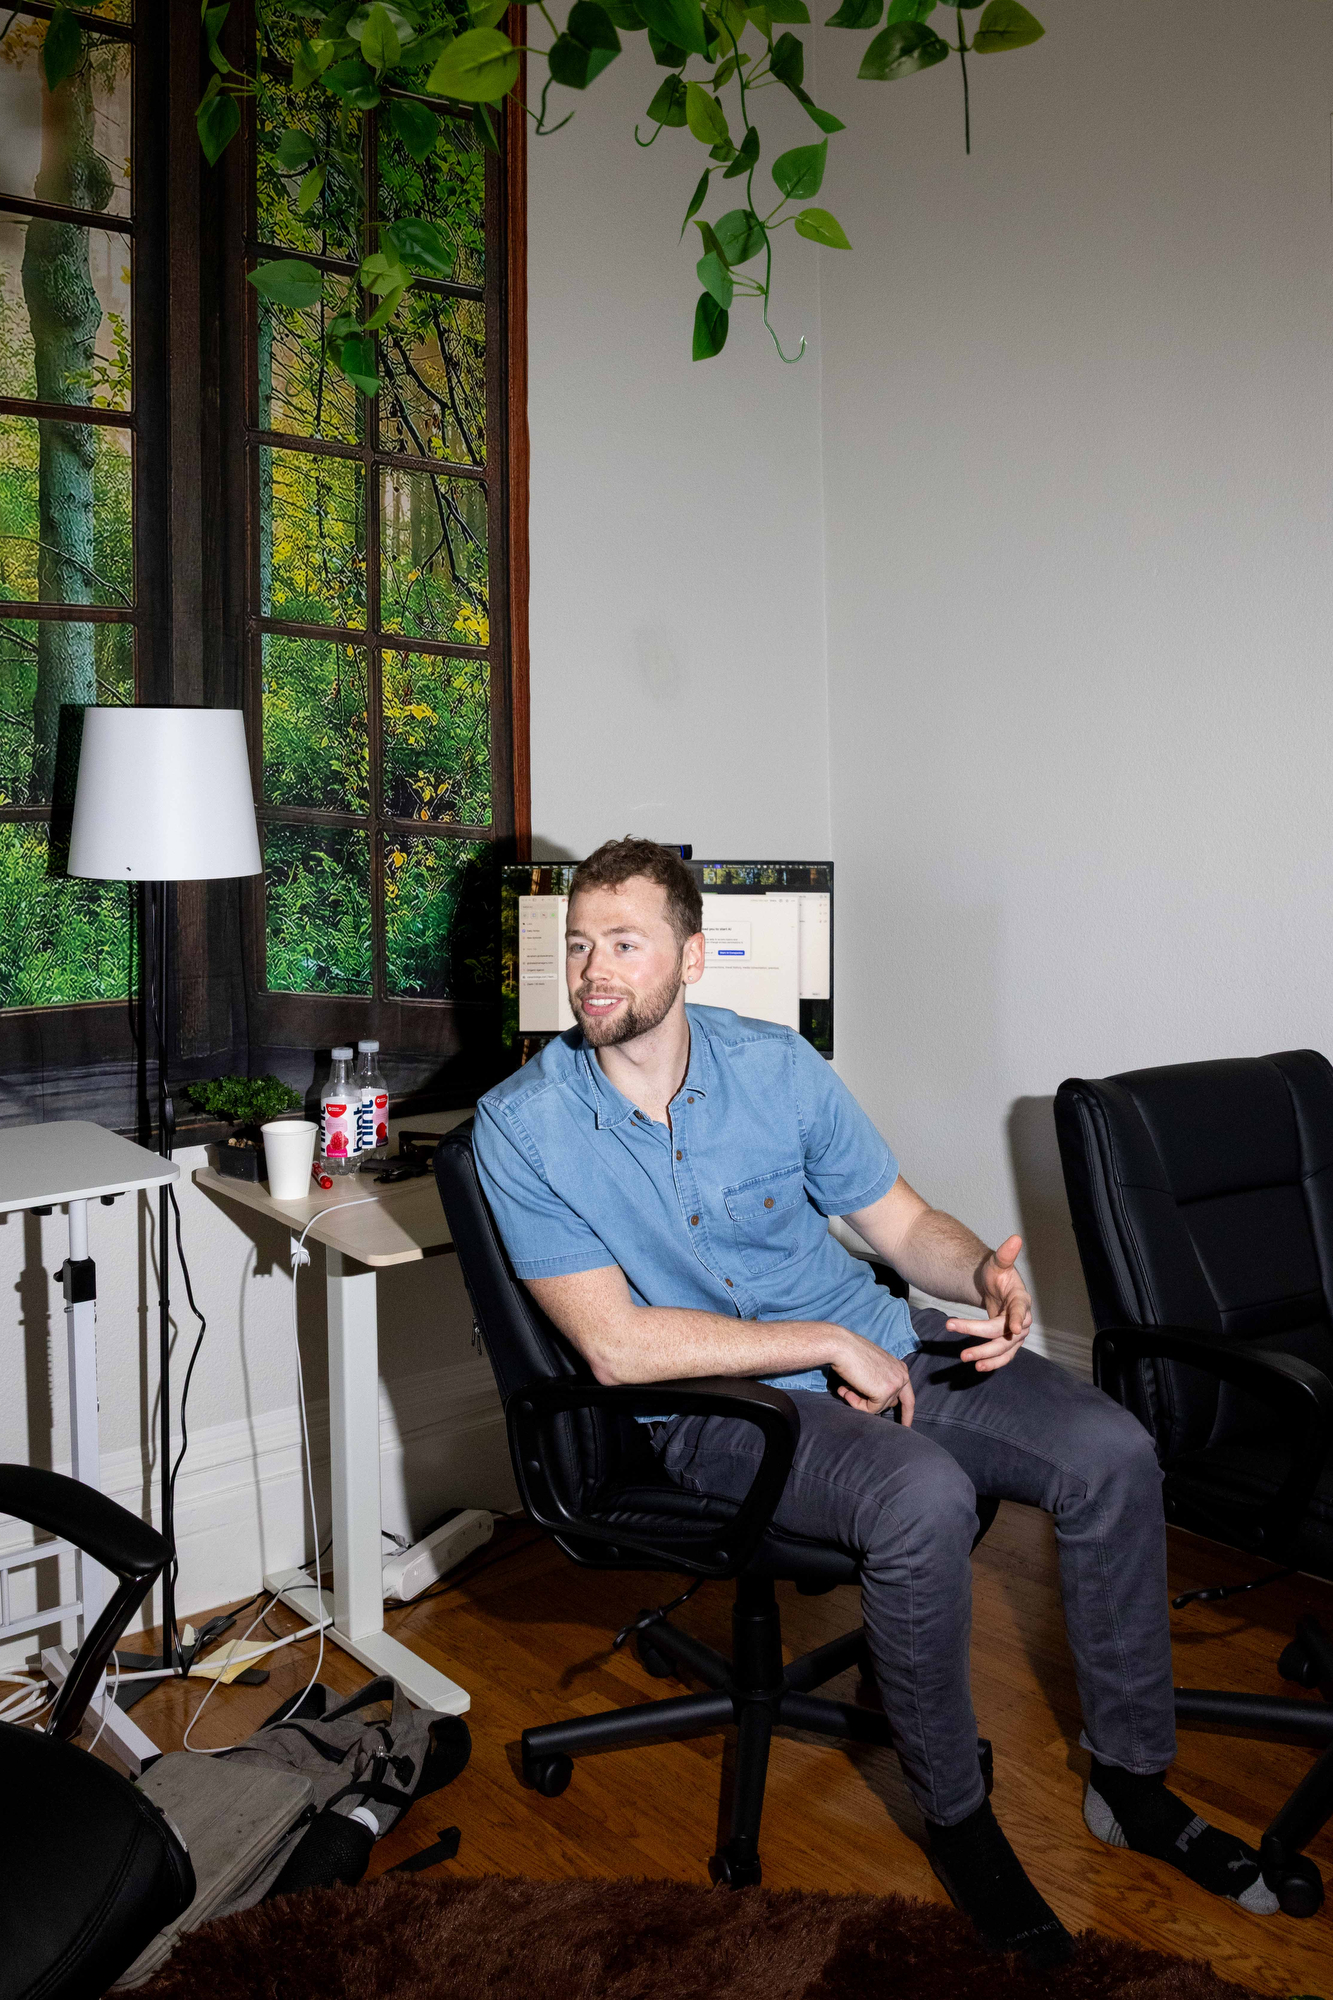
[1294,1389]
[108,1532]
[727,1549]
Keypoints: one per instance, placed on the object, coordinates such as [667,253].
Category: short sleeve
[847,1164]
[541,1232]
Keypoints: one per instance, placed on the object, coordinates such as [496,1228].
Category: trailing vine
[420,59]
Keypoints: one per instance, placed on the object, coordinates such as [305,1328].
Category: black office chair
[89,1868]
[1202,1203]
[586,1472]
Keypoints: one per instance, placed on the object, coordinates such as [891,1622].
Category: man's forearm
[932,1250]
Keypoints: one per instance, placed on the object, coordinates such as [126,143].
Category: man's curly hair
[617,861]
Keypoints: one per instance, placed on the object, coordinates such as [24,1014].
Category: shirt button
[694,1222]
[768,1201]
[727,1282]
[689,1100]
[754,1315]
[680,1155]
[638,1114]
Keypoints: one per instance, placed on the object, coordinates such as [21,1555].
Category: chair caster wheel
[654,1663]
[729,1872]
[1298,1886]
[986,1759]
[1296,1665]
[548,1775]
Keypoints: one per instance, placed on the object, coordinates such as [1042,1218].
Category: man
[662,1179]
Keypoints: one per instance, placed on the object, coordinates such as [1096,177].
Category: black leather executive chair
[1202,1203]
[586,1472]
[89,1868]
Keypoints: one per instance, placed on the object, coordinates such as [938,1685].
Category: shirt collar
[612,1107]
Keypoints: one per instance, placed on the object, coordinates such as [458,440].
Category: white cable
[32,1697]
[107,1703]
[300,1256]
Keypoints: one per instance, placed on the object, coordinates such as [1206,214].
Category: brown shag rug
[499,1939]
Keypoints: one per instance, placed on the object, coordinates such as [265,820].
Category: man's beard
[641,1013]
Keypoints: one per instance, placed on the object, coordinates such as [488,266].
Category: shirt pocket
[766,1218]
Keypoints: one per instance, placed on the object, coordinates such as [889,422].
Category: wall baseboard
[241,1507]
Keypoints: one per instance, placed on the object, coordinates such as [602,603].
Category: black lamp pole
[166,1132]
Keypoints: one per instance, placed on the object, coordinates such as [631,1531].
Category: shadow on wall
[1059,1294]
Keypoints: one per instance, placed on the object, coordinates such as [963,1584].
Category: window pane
[75,285]
[312,538]
[60,940]
[81,158]
[317,891]
[433,402]
[448,188]
[299,391]
[430,954]
[316,751]
[433,557]
[71,664]
[330,228]
[66,519]
[437,738]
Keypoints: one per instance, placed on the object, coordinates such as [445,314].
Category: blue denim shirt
[725,1211]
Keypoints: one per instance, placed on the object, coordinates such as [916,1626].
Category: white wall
[677,560]
[1077,395]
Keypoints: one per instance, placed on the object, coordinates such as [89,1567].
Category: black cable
[185,1397]
[1217,1593]
[647,1618]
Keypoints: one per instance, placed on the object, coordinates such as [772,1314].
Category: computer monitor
[768,930]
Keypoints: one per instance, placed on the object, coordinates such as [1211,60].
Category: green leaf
[705,117]
[572,64]
[310,190]
[677,21]
[788,10]
[800,173]
[739,236]
[824,119]
[213,18]
[310,62]
[665,54]
[386,309]
[356,358]
[1006,25]
[415,125]
[380,273]
[288,281]
[353,81]
[418,242]
[856,14]
[592,25]
[294,151]
[697,199]
[706,236]
[821,227]
[716,278]
[787,61]
[723,152]
[479,67]
[900,51]
[588,44]
[625,15]
[746,157]
[760,18]
[379,40]
[485,130]
[730,17]
[710,328]
[489,13]
[668,106]
[910,10]
[62,50]
[218,120]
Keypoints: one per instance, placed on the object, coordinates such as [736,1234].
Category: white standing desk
[66,1164]
[399,1224]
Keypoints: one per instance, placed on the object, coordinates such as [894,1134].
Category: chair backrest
[522,1345]
[1202,1196]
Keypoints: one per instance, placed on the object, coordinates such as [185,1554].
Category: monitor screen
[768,938]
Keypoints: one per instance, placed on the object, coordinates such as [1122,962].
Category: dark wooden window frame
[193,626]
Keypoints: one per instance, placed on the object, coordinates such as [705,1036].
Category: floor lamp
[163,795]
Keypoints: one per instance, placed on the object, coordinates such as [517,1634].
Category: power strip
[407,1574]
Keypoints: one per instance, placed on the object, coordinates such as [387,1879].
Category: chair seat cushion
[670,1513]
[90,1870]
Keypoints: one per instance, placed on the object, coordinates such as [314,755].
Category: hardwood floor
[529,1635]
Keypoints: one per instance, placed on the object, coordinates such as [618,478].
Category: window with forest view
[68,420]
[375,527]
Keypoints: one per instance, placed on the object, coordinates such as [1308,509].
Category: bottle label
[372,1120]
[338,1130]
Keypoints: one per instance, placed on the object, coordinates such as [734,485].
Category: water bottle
[372,1111]
[337,1118]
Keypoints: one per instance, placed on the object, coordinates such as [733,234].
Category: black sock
[985,1879]
[1130,1810]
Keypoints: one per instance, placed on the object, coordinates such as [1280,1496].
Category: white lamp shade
[163,795]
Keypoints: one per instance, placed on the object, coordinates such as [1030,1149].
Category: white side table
[66,1164]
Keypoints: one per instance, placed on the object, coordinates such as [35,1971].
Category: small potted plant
[245,1103]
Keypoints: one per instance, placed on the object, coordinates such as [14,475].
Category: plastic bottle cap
[341,1055]
[369,1048]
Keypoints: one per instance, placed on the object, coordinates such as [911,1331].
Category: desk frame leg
[357,1602]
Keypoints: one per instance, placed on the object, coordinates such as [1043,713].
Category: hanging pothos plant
[454,50]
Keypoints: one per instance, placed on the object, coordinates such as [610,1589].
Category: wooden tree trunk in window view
[65,314]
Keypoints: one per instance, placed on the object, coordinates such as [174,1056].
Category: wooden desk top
[397,1224]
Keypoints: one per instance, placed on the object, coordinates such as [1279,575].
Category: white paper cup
[289,1149]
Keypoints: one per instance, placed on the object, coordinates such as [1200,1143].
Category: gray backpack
[300,1803]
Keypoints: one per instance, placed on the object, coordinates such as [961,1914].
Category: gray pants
[904,1501]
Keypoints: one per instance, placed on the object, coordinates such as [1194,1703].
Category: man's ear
[692,959]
